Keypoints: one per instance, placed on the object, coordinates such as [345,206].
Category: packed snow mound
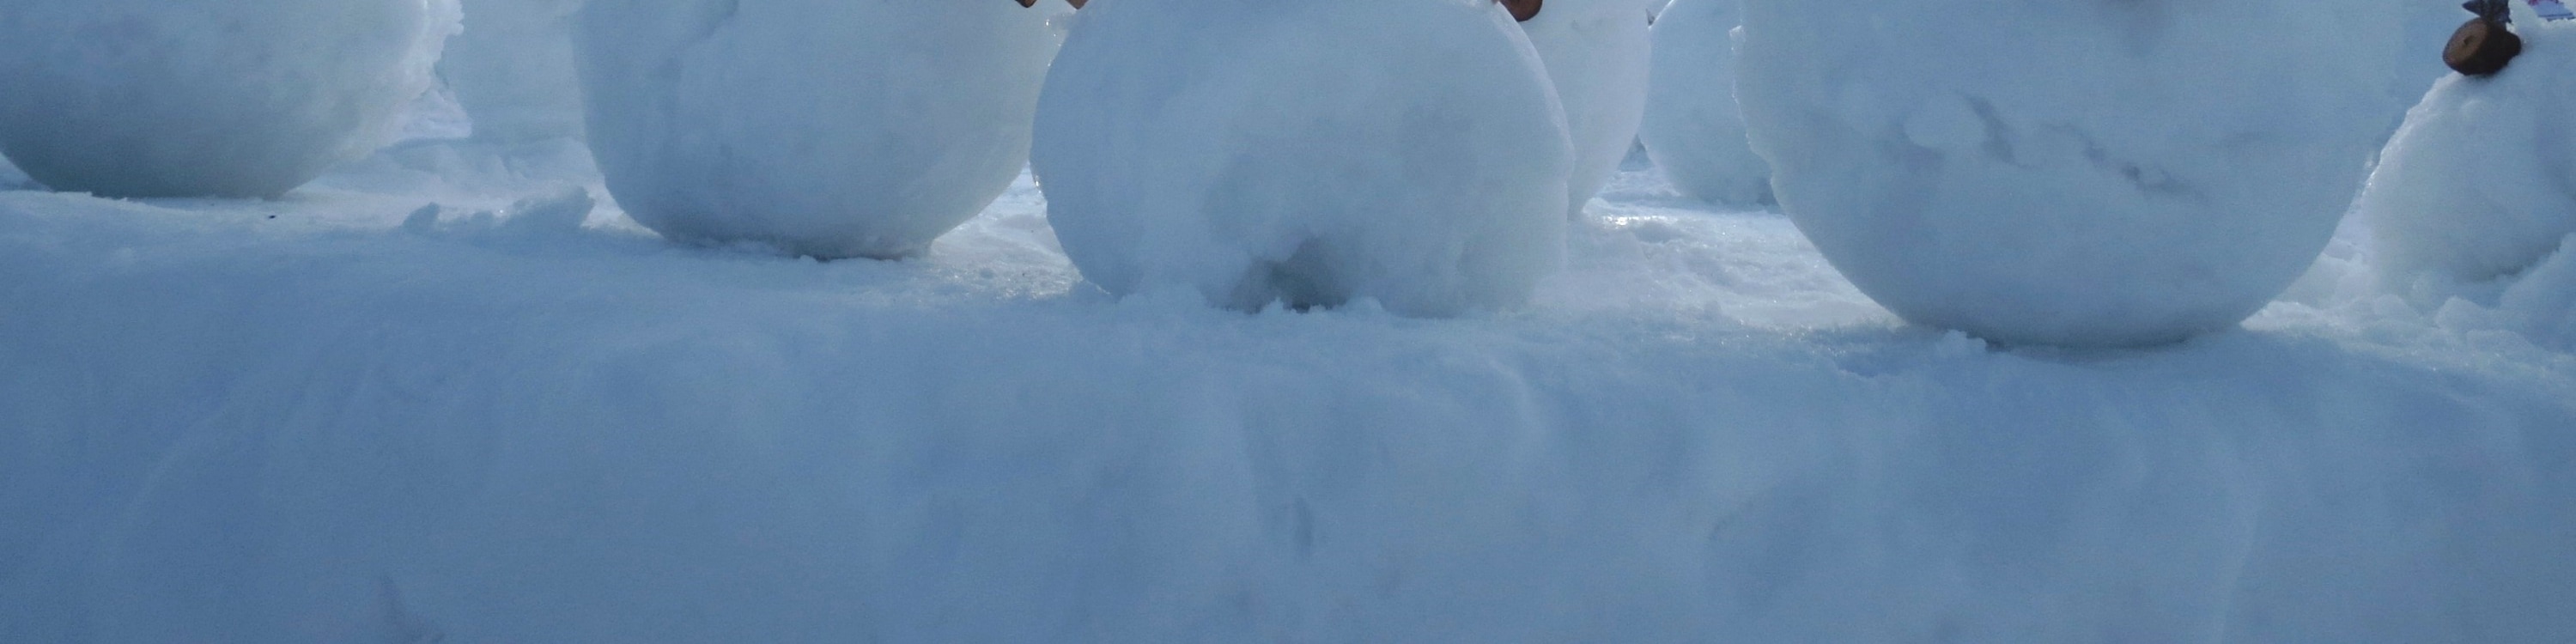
[307,422]
[1311,153]
[1693,128]
[227,98]
[512,68]
[1596,55]
[2078,173]
[2480,183]
[828,128]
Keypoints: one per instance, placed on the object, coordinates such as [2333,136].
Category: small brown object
[2481,47]
[1522,10]
[1028,3]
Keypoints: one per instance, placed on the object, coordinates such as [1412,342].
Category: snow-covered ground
[333,419]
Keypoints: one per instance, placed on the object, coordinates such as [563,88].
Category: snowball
[512,68]
[829,128]
[2083,173]
[1692,128]
[1310,153]
[233,98]
[1596,55]
[2478,184]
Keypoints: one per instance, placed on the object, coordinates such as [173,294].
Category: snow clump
[208,98]
[827,128]
[1313,153]
[2096,172]
[512,68]
[1596,55]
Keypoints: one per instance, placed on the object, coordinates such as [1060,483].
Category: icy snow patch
[1249,152]
[2076,173]
[187,98]
[830,128]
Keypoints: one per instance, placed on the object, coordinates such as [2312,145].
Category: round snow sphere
[512,69]
[826,128]
[2477,185]
[1693,129]
[2076,173]
[1305,153]
[207,98]
[1596,55]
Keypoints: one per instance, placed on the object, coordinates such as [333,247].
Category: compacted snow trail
[332,419]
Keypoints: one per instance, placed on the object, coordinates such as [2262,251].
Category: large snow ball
[1306,153]
[2479,183]
[1693,129]
[2085,172]
[828,128]
[513,71]
[223,98]
[1596,55]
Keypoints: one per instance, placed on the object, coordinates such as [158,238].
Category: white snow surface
[345,417]
[830,128]
[512,68]
[2076,173]
[2480,183]
[1692,126]
[1248,152]
[241,98]
[1596,53]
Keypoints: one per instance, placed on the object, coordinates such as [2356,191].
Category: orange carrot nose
[1522,10]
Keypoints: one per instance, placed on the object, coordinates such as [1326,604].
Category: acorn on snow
[2485,45]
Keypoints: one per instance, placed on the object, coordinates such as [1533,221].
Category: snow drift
[2080,173]
[830,128]
[231,98]
[353,423]
[1251,152]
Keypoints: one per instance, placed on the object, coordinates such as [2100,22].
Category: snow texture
[1408,152]
[2480,184]
[231,98]
[512,68]
[312,422]
[10,177]
[1596,52]
[829,128]
[1693,127]
[2102,172]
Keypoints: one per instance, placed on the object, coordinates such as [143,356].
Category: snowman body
[823,128]
[208,98]
[1693,128]
[1308,154]
[512,69]
[1596,52]
[2083,173]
